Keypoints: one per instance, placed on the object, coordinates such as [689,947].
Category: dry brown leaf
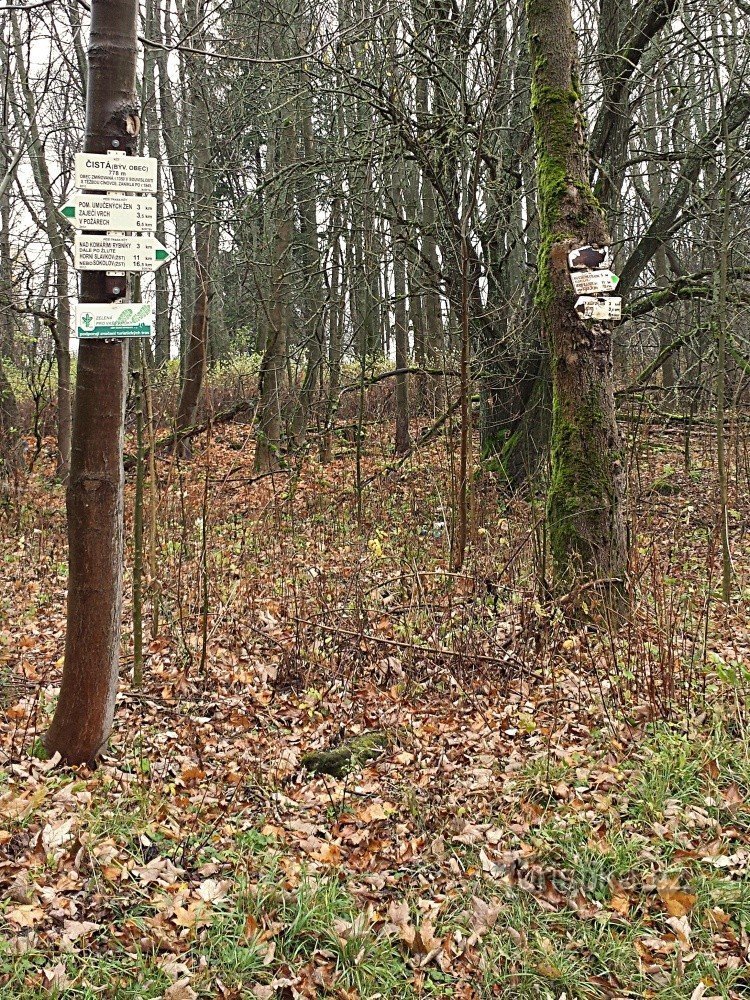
[181,990]
[677,901]
[400,922]
[214,890]
[682,930]
[733,797]
[19,890]
[425,942]
[26,915]
[75,929]
[483,917]
[55,979]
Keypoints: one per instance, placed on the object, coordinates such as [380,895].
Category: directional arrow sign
[115,172]
[118,253]
[599,307]
[121,212]
[593,282]
[121,319]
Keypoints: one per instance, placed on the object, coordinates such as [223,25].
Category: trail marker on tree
[589,258]
[593,282]
[599,307]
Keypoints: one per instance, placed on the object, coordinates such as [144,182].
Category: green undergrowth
[588,907]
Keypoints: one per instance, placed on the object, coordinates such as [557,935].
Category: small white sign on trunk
[589,258]
[593,282]
[115,172]
[599,307]
[119,319]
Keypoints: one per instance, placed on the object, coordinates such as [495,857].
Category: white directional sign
[108,322]
[121,212]
[94,252]
[115,172]
[593,282]
[599,307]
[589,257]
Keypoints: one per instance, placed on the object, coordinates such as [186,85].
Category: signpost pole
[85,709]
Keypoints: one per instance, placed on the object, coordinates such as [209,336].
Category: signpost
[114,320]
[114,171]
[95,252]
[116,204]
[106,212]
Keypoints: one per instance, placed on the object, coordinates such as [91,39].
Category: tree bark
[173,131]
[585,503]
[398,240]
[205,229]
[85,709]
[151,121]
[271,381]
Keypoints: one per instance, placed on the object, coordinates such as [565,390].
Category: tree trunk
[281,205]
[585,515]
[85,709]
[196,352]
[398,240]
[313,292]
[173,131]
[335,327]
[151,121]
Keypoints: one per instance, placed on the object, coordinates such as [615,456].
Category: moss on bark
[584,504]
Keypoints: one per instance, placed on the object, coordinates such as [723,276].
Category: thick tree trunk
[85,709]
[585,515]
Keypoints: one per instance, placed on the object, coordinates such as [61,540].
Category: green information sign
[110,322]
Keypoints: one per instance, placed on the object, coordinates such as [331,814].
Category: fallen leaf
[56,979]
[483,918]
[677,902]
[181,990]
[75,929]
[213,890]
[25,916]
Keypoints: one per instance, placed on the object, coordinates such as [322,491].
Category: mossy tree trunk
[585,516]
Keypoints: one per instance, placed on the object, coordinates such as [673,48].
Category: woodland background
[549,805]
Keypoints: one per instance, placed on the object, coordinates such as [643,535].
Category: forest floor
[558,812]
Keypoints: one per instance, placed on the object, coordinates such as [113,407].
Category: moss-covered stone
[346,757]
